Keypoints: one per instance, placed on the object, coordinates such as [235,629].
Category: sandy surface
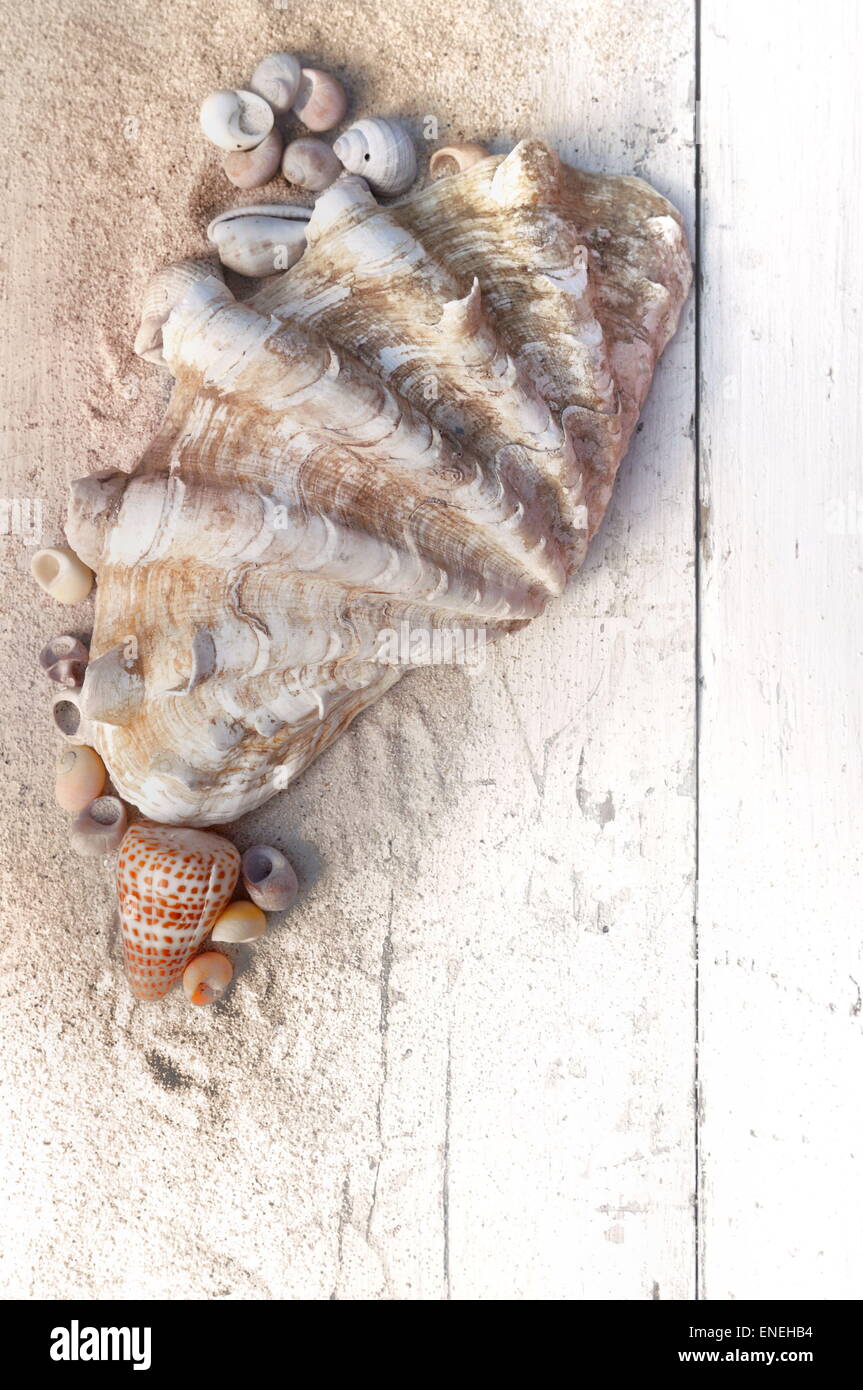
[252,1150]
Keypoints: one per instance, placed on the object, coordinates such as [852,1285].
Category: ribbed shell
[420,422]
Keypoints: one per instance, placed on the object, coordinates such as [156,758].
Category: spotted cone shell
[172,883]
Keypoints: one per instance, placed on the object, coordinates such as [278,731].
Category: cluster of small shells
[100,823]
[246,125]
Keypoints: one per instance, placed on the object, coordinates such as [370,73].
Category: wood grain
[781,785]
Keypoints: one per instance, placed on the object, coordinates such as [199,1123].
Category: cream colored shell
[418,424]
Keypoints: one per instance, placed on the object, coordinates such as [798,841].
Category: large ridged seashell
[260,240]
[277,80]
[172,885]
[163,293]
[413,431]
[382,152]
[236,120]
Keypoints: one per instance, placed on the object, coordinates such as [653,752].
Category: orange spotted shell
[172,883]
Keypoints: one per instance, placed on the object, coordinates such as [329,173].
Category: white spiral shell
[382,152]
[235,119]
[277,80]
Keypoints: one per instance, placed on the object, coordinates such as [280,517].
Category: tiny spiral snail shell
[321,101]
[311,164]
[69,718]
[99,828]
[382,152]
[277,80]
[61,574]
[268,878]
[80,778]
[236,120]
[206,978]
[252,168]
[454,159]
[65,659]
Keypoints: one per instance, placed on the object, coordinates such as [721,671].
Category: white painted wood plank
[781,783]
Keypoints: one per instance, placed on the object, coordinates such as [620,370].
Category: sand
[252,1150]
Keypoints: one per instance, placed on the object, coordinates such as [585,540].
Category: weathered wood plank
[570,1020]
[781,783]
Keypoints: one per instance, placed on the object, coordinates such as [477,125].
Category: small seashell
[311,164]
[382,151]
[251,168]
[61,574]
[172,883]
[321,101]
[277,80]
[240,922]
[268,878]
[236,120]
[161,296]
[454,159]
[80,778]
[206,978]
[99,828]
[65,659]
[69,718]
[260,240]
[68,673]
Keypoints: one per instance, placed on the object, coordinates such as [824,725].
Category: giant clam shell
[418,425]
